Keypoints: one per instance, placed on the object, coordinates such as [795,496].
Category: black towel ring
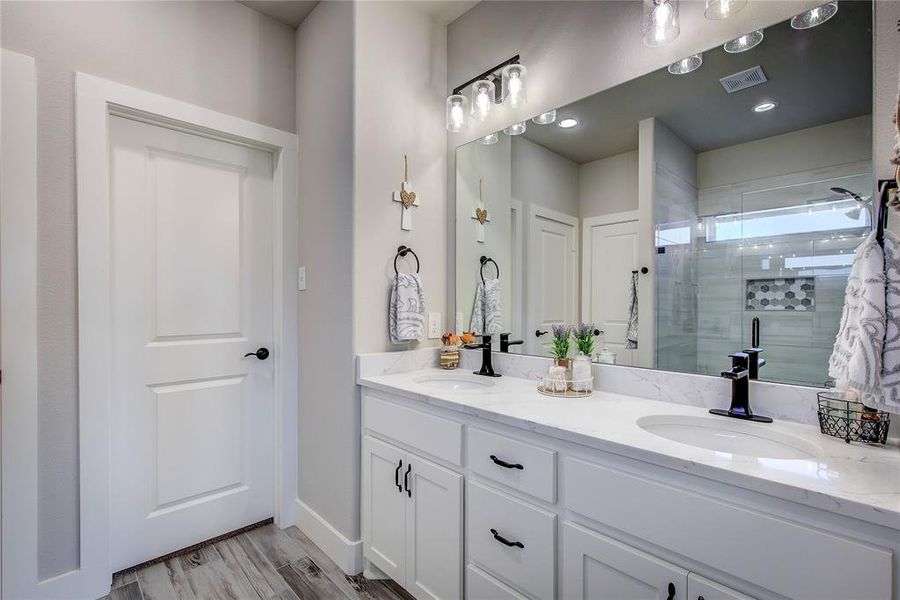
[485,260]
[402,251]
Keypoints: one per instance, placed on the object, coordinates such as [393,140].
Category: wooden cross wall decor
[480,214]
[407,198]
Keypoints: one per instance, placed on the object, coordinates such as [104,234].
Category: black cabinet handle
[406,480]
[671,591]
[505,464]
[397,476]
[261,354]
[505,541]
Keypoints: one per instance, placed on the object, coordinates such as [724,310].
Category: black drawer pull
[671,591]
[505,541]
[505,464]
[406,480]
[397,476]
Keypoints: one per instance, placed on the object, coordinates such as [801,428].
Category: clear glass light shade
[722,9]
[745,42]
[660,24]
[815,16]
[515,129]
[514,85]
[490,139]
[482,99]
[456,112]
[686,65]
[545,118]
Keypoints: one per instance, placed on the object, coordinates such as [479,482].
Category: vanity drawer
[537,476]
[531,568]
[431,434]
[786,557]
[481,586]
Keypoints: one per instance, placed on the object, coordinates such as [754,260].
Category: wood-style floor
[262,564]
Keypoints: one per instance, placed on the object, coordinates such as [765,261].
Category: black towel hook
[402,251]
[485,260]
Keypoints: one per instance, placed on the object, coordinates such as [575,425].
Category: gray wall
[220,55]
[329,409]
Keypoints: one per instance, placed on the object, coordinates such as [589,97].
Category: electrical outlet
[434,325]
[301,279]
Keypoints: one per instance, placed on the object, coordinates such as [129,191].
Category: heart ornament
[407,198]
[481,215]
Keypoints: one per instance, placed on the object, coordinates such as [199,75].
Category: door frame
[96,100]
[517,290]
[587,241]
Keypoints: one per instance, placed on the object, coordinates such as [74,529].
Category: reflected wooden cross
[407,198]
[480,214]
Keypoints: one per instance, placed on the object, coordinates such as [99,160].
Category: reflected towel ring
[484,260]
[644,271]
[402,251]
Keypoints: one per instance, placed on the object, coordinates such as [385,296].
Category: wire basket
[565,388]
[842,416]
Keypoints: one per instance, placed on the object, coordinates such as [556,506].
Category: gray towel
[631,334]
[406,314]
[487,312]
[856,360]
[890,373]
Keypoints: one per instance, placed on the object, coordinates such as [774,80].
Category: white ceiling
[289,12]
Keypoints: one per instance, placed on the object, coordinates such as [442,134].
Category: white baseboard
[347,554]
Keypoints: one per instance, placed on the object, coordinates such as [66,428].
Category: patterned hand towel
[856,361]
[406,314]
[631,333]
[487,312]
[890,372]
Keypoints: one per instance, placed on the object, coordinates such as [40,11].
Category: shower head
[846,192]
[861,202]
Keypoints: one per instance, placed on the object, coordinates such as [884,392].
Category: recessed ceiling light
[764,106]
[686,65]
[745,42]
[568,123]
[815,16]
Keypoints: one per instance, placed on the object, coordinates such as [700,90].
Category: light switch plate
[434,325]
[301,279]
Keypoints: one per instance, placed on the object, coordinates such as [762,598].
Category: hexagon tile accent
[796,293]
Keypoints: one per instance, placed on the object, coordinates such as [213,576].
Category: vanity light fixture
[456,112]
[722,9]
[545,118]
[482,99]
[516,128]
[490,139]
[686,65]
[765,106]
[660,24]
[513,82]
[815,16]
[568,123]
[744,43]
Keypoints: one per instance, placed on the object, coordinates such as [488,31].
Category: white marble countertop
[849,479]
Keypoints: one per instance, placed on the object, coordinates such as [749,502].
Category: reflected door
[611,255]
[552,281]
[192,418]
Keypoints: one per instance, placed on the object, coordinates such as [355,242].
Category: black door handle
[406,480]
[397,476]
[671,591]
[505,541]
[505,464]
[261,354]
[539,333]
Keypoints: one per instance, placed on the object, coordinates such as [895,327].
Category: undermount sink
[456,383]
[729,435]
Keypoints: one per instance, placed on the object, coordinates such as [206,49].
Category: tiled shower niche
[796,293]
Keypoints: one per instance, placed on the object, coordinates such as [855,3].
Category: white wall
[220,55]
[329,410]
[543,177]
[608,185]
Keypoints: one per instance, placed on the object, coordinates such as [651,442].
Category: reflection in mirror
[743,186]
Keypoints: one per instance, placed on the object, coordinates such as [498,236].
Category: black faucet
[505,343]
[486,368]
[754,362]
[739,374]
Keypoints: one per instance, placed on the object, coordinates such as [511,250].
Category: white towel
[890,372]
[406,314]
[856,360]
[631,334]
[487,312]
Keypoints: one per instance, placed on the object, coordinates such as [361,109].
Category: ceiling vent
[743,80]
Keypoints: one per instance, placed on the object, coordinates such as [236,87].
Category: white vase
[582,380]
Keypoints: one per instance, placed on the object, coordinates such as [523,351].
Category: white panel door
[599,568]
[192,418]
[384,507]
[434,553]
[552,275]
[613,256]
